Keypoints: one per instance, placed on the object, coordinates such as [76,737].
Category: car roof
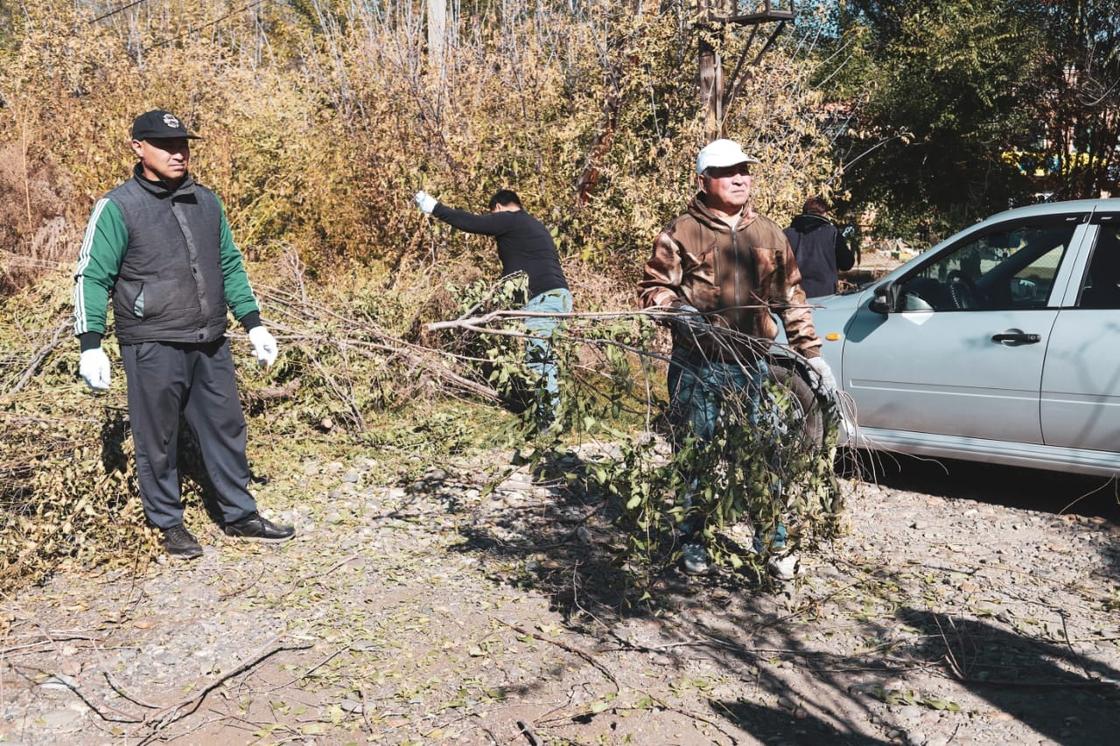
[1054,208]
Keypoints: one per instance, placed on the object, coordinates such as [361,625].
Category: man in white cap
[725,269]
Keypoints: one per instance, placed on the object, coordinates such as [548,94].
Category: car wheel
[808,414]
[816,418]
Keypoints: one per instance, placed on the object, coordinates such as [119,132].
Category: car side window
[1003,269]
[1101,286]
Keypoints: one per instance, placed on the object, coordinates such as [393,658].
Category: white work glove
[824,372]
[94,369]
[264,345]
[425,202]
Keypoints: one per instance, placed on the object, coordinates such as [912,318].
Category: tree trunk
[437,37]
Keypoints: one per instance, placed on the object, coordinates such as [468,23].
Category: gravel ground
[477,605]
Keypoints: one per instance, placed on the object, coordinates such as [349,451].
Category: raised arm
[486,224]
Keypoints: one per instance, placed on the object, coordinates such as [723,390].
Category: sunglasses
[739,169]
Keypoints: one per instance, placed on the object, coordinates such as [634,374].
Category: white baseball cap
[720,154]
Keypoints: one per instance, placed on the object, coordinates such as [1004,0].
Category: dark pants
[196,380]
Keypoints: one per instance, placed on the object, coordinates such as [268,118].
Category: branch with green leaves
[768,461]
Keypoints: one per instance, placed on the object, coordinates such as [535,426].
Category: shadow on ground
[567,547]
[1030,489]
[1065,697]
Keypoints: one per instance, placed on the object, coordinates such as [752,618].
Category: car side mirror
[885,300]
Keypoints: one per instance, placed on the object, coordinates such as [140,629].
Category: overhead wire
[189,31]
[120,9]
[208,24]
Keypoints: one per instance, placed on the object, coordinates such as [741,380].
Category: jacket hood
[700,211]
[808,222]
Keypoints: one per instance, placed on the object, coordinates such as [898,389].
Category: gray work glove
[824,373]
[425,202]
[689,322]
[94,369]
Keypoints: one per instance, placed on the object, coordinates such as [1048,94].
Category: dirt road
[434,610]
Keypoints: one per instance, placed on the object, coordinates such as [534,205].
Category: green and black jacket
[167,259]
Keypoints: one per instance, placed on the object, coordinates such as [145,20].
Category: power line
[114,11]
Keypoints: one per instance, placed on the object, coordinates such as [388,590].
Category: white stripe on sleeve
[81,322]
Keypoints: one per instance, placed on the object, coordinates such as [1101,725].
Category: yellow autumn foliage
[321,119]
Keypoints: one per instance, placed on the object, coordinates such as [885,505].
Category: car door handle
[1016,337]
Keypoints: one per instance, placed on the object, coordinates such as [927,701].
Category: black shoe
[179,543]
[258,528]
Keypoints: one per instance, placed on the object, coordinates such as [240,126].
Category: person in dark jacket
[819,247]
[524,245]
[159,248]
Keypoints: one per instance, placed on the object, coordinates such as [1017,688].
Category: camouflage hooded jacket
[735,277]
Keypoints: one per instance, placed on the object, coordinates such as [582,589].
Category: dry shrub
[35,236]
[322,118]
[67,480]
[68,491]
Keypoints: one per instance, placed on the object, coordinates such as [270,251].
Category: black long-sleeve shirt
[524,244]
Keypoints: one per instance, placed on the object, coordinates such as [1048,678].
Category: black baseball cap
[159,123]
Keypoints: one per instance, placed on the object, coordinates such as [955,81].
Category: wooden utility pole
[711,89]
[719,14]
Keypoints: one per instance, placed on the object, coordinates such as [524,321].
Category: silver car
[999,344]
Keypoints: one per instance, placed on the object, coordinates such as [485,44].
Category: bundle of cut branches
[68,489]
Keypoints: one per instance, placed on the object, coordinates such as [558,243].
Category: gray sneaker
[784,567]
[694,559]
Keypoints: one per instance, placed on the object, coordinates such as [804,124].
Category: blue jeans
[538,352]
[698,393]
[698,389]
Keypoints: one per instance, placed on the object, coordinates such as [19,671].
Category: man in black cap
[160,246]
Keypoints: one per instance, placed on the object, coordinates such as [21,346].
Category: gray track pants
[197,380]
